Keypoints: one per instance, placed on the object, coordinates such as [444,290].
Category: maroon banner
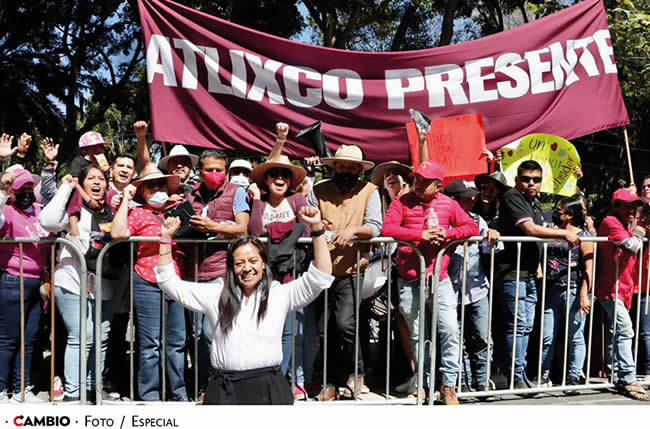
[216,84]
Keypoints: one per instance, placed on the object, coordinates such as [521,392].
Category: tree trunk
[329,33]
[406,22]
[70,124]
[522,8]
[447,31]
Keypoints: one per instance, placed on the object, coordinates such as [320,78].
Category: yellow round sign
[557,156]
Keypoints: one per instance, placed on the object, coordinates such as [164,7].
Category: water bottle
[432,218]
[420,121]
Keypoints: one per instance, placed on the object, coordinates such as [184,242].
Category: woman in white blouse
[247,312]
[93,228]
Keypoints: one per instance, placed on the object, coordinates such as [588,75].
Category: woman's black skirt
[262,386]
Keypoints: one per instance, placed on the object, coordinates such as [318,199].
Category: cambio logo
[43,421]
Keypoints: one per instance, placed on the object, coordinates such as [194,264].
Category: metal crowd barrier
[374,241]
[510,390]
[21,241]
[428,286]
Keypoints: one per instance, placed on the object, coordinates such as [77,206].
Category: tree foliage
[70,66]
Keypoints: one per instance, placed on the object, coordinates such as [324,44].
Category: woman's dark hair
[583,199]
[86,170]
[573,207]
[230,301]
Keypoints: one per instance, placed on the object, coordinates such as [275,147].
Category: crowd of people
[258,312]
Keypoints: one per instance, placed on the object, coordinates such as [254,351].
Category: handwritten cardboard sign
[456,142]
[557,156]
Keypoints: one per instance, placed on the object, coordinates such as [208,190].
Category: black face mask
[24,200]
[345,181]
[557,218]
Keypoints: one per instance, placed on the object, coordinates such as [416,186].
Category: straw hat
[350,153]
[377,176]
[282,161]
[178,150]
[150,173]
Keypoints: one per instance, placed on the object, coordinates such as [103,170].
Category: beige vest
[342,211]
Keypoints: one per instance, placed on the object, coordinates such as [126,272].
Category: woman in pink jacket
[19,219]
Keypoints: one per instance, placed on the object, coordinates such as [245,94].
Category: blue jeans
[69,306]
[554,313]
[476,342]
[10,332]
[306,327]
[644,335]
[526,300]
[147,297]
[624,360]
[447,327]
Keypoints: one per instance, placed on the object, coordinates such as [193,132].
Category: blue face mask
[158,200]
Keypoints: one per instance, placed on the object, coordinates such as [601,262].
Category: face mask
[24,200]
[158,200]
[557,218]
[213,179]
[240,180]
[345,180]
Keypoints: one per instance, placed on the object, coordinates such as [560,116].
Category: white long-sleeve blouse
[247,345]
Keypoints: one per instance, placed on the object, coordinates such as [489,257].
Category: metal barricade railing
[428,286]
[588,385]
[302,241]
[21,241]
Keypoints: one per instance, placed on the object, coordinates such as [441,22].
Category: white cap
[241,163]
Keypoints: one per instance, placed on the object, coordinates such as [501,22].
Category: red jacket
[615,231]
[404,220]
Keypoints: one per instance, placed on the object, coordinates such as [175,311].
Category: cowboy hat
[350,153]
[377,176]
[178,150]
[150,173]
[281,161]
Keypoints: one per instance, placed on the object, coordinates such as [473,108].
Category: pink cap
[430,170]
[22,177]
[91,138]
[626,195]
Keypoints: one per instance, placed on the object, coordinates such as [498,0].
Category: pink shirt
[404,220]
[143,223]
[34,254]
[613,229]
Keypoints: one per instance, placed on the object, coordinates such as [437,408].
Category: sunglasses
[280,172]
[240,171]
[528,179]
[155,184]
